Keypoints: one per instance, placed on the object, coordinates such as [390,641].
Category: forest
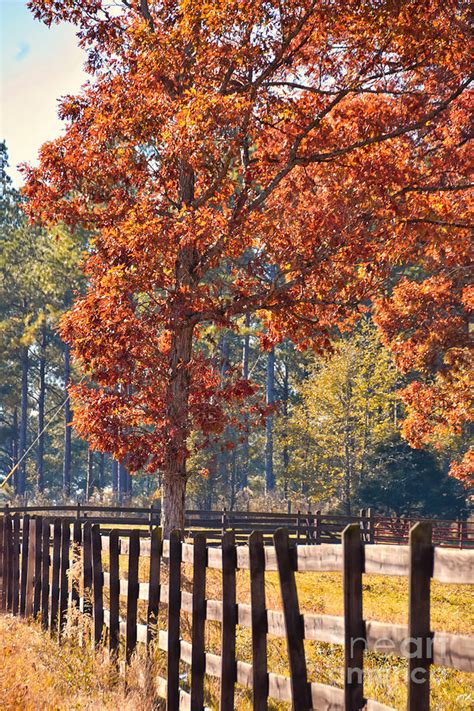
[328,430]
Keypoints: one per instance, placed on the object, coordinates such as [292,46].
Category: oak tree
[216,143]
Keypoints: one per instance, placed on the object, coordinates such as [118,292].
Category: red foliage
[324,139]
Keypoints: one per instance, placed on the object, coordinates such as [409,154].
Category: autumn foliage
[234,156]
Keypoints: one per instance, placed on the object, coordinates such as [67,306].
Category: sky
[37,65]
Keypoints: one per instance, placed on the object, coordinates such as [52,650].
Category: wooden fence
[36,554]
[311,527]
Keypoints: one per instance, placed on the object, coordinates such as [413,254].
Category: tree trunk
[173,487]
[245,465]
[122,482]
[115,477]
[269,472]
[233,476]
[67,426]
[41,402]
[173,495]
[286,451]
[211,482]
[174,475]
[90,483]
[14,448]
[21,478]
[101,471]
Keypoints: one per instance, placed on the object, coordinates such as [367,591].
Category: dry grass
[38,674]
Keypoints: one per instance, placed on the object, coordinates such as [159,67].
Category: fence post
[309,533]
[298,526]
[6,566]
[259,622]
[132,593]
[55,575]
[154,582]
[300,691]
[419,633]
[24,563]
[76,558]
[30,578]
[354,627]
[198,656]
[37,566]
[174,605]
[114,592]
[229,622]
[98,583]
[16,564]
[370,525]
[63,577]
[317,522]
[224,520]
[363,523]
[45,562]
[87,568]
[2,562]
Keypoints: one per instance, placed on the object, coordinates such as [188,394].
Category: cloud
[23,51]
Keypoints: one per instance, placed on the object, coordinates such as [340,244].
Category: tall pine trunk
[21,478]
[14,441]
[67,426]
[245,463]
[286,451]
[41,404]
[122,482]
[101,472]
[269,472]
[115,477]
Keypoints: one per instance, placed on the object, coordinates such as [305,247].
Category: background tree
[38,270]
[348,407]
[410,482]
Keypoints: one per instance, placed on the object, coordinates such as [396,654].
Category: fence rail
[307,527]
[36,554]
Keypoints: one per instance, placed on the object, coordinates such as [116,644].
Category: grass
[38,674]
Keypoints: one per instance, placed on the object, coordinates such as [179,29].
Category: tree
[218,139]
[426,323]
[410,482]
[38,269]
[269,473]
[348,408]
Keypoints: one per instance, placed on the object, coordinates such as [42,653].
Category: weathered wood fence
[306,527]
[36,554]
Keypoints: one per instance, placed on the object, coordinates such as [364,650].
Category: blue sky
[37,65]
